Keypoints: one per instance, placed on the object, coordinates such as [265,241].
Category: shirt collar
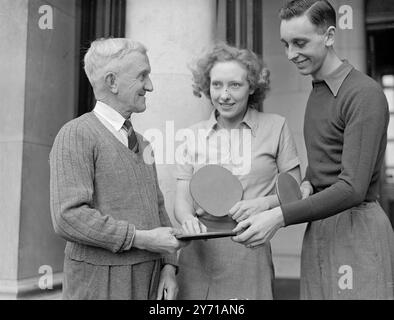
[335,79]
[211,124]
[249,120]
[109,114]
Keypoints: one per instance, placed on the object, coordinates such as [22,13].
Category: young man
[105,200]
[348,246]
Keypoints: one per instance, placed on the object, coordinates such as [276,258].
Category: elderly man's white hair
[105,55]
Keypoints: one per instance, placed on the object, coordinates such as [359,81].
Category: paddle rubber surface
[287,189]
[215,189]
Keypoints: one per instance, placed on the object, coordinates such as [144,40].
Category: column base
[28,289]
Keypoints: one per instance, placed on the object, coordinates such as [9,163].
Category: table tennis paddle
[216,190]
[287,188]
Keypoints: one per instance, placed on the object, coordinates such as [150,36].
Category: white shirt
[112,120]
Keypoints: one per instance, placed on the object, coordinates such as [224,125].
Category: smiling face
[230,90]
[306,46]
[132,83]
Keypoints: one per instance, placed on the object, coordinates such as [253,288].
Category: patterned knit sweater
[101,192]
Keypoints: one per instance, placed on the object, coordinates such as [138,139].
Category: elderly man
[105,199]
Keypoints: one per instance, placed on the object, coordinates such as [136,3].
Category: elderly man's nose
[148,85]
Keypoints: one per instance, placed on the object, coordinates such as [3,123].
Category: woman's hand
[306,189]
[247,208]
[193,226]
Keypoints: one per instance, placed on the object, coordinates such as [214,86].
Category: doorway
[381,68]
[97,19]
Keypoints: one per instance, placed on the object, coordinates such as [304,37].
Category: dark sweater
[345,132]
[100,193]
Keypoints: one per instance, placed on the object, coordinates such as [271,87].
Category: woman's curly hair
[258,75]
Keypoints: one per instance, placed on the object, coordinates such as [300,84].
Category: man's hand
[168,287]
[259,228]
[246,208]
[306,189]
[161,240]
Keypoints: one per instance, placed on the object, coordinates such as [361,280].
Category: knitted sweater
[345,136]
[100,193]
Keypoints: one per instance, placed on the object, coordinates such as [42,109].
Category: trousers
[349,256]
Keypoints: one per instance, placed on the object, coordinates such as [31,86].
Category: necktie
[131,136]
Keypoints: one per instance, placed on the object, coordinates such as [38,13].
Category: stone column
[38,97]
[13,33]
[175,32]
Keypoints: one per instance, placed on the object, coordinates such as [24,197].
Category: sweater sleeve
[366,121]
[74,216]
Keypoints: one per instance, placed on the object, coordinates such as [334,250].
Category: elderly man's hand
[259,228]
[168,287]
[161,240]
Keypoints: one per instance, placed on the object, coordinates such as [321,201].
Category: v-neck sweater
[101,192]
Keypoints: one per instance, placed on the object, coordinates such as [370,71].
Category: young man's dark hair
[320,12]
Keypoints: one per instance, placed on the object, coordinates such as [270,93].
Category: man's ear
[110,82]
[330,36]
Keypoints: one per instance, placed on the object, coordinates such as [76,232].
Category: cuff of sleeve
[170,259]
[296,212]
[291,165]
[128,243]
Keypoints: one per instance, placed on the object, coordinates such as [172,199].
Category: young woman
[236,82]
